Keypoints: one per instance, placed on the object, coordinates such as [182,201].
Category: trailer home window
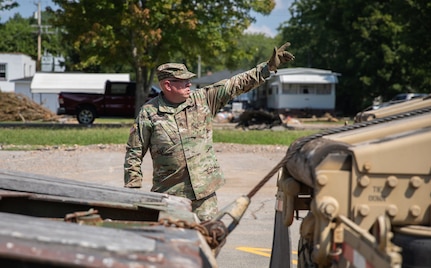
[290,89]
[307,89]
[323,89]
[3,71]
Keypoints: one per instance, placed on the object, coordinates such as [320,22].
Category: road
[249,245]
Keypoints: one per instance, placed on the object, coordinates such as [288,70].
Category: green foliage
[263,6]
[380,48]
[7,5]
[144,34]
[103,135]
[248,50]
[254,49]
[19,35]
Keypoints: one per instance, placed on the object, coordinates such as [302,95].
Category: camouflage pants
[205,208]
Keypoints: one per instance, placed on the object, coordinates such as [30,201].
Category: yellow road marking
[266,252]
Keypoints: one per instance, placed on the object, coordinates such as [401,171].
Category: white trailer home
[298,89]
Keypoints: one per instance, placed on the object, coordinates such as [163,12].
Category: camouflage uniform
[179,138]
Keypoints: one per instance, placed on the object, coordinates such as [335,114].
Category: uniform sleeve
[220,93]
[135,151]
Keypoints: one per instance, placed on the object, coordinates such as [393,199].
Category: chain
[213,238]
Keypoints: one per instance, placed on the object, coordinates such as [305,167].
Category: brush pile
[17,107]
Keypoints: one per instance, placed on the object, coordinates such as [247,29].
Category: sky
[269,24]
[264,24]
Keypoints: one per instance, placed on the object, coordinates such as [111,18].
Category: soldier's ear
[167,85]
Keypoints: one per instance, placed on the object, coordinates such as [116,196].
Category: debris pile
[260,119]
[17,107]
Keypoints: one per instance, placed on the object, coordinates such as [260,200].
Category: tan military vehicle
[393,107]
[365,190]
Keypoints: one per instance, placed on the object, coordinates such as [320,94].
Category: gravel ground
[61,160]
[218,147]
[104,163]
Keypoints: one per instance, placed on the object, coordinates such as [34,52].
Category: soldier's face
[179,89]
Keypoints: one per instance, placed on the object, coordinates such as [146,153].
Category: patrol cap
[173,70]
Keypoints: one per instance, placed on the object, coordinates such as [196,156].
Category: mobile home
[296,89]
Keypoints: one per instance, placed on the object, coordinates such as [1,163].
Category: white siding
[49,101]
[23,87]
[17,66]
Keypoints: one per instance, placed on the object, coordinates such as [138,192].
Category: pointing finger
[283,47]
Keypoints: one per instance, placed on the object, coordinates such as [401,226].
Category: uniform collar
[165,107]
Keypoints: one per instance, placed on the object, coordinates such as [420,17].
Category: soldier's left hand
[279,56]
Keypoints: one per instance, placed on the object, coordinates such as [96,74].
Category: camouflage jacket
[180,138]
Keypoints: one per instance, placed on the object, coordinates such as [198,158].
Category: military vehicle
[394,107]
[364,191]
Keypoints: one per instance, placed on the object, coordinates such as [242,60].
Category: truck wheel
[86,115]
[415,249]
[281,249]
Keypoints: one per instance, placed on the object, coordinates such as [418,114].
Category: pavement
[249,245]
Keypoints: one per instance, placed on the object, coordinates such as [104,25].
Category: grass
[58,137]
[114,120]
[264,137]
[32,137]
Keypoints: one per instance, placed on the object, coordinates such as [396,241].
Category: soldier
[176,127]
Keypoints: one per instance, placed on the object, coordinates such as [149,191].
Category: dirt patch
[218,147]
[104,163]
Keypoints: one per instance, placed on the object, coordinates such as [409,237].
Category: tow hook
[216,227]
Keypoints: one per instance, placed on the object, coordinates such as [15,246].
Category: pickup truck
[118,100]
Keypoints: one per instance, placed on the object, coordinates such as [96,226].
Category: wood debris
[17,107]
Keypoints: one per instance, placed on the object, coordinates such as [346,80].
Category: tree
[144,34]
[251,49]
[254,49]
[7,4]
[373,44]
[20,35]
[415,49]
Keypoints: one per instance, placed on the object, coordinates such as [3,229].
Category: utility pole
[40,29]
[39,37]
